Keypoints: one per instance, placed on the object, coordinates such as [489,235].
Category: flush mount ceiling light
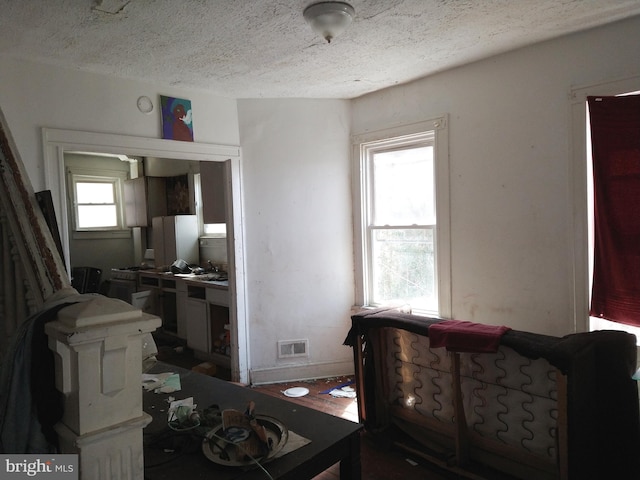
[329,19]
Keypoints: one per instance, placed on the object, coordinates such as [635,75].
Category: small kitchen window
[97,205]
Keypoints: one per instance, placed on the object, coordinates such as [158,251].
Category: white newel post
[98,347]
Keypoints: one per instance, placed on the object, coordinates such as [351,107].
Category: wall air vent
[293,348]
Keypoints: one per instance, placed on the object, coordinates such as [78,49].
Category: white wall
[34,96]
[298,233]
[510,137]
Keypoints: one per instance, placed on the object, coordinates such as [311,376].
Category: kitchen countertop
[192,278]
[215,283]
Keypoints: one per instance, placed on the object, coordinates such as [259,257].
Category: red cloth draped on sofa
[615,138]
[463,336]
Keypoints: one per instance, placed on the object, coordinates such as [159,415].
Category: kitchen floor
[379,461]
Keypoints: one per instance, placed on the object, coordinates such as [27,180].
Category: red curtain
[615,140]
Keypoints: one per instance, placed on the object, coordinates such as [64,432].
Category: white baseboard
[307,371]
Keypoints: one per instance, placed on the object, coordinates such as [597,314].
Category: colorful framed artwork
[176,119]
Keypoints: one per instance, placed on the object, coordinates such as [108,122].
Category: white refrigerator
[175,237]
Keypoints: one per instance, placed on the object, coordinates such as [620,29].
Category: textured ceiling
[264,48]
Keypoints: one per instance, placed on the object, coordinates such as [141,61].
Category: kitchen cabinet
[181,309]
[193,310]
[175,237]
[146,299]
[213,185]
[160,293]
[198,325]
[144,198]
[207,310]
[168,305]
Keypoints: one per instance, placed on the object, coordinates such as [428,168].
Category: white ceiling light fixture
[329,19]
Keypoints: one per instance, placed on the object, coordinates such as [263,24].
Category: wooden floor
[379,462]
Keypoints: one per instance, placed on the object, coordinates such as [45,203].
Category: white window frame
[116,178]
[436,131]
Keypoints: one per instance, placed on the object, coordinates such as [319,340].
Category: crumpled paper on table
[168,382]
[175,412]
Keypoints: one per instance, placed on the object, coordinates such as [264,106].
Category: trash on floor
[344,392]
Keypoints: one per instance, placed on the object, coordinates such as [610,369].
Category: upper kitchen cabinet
[145,198]
[213,183]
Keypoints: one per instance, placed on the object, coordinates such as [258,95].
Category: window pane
[403,192]
[94,216]
[403,267]
[94,192]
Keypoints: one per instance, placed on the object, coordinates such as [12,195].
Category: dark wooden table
[333,439]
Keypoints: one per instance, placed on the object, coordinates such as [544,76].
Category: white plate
[296,392]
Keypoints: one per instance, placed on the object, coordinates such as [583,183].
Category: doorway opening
[57,142]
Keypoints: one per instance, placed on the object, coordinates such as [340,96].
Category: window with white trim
[402,210]
[97,202]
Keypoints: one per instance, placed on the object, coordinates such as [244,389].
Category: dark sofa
[539,407]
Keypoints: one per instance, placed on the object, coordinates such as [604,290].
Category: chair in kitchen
[86,279]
